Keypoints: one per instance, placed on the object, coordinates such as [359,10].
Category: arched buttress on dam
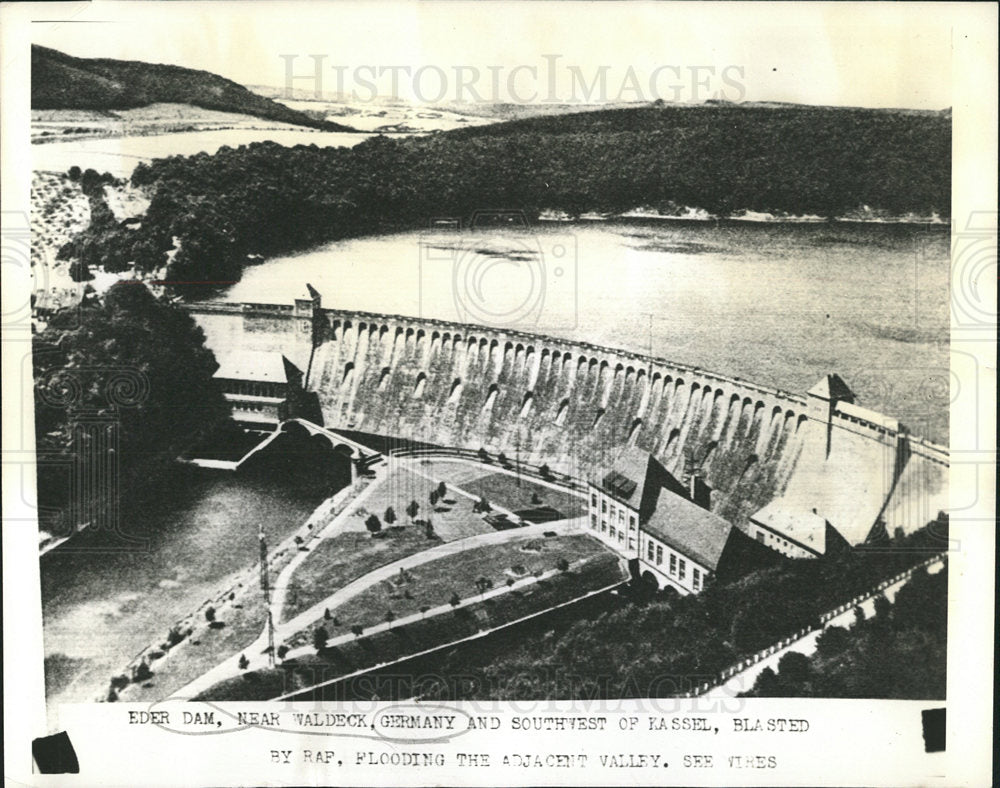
[575,406]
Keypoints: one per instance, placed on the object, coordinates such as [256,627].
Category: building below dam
[780,466]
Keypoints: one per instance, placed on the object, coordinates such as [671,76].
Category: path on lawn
[284,630]
[254,652]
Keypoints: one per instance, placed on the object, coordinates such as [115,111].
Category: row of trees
[901,652]
[438,494]
[482,584]
[266,199]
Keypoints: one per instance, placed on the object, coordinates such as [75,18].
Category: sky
[866,54]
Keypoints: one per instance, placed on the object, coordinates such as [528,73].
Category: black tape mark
[55,754]
[934,729]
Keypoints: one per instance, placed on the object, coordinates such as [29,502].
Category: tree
[484,456]
[429,529]
[442,490]
[244,662]
[326,614]
[320,636]
[510,582]
[423,610]
[562,565]
[145,359]
[79,271]
[412,509]
[74,173]
[434,497]
[455,600]
[535,499]
[390,616]
[210,614]
[142,672]
[545,470]
[357,630]
[373,524]
[794,669]
[502,459]
[282,651]
[483,584]
[390,516]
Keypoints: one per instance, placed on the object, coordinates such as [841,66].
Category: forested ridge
[61,81]
[266,199]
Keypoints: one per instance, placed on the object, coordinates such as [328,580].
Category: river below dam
[102,604]
[779,304]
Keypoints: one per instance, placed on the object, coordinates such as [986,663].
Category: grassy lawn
[503,489]
[335,562]
[435,582]
[452,519]
[601,571]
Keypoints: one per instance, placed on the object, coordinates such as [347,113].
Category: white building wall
[778,542]
[670,567]
[613,522]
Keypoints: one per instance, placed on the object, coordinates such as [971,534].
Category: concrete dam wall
[575,405]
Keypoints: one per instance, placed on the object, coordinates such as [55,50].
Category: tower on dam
[744,447]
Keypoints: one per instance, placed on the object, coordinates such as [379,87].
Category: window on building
[621,516]
[695,578]
[761,537]
[681,568]
[631,522]
[593,521]
[593,500]
[621,537]
[604,526]
[631,543]
[659,555]
[604,507]
[649,551]
[673,564]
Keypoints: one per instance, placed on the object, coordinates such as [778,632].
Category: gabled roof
[627,477]
[808,529]
[253,365]
[689,529]
[832,387]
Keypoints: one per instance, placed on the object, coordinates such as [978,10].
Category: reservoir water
[777,304]
[102,604]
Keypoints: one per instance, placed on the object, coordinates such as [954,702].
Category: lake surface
[102,605]
[777,304]
[120,155]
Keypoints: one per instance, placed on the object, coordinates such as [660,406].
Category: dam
[575,406]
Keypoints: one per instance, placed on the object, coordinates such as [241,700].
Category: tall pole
[517,453]
[265,586]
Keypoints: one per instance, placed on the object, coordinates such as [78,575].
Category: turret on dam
[575,406]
